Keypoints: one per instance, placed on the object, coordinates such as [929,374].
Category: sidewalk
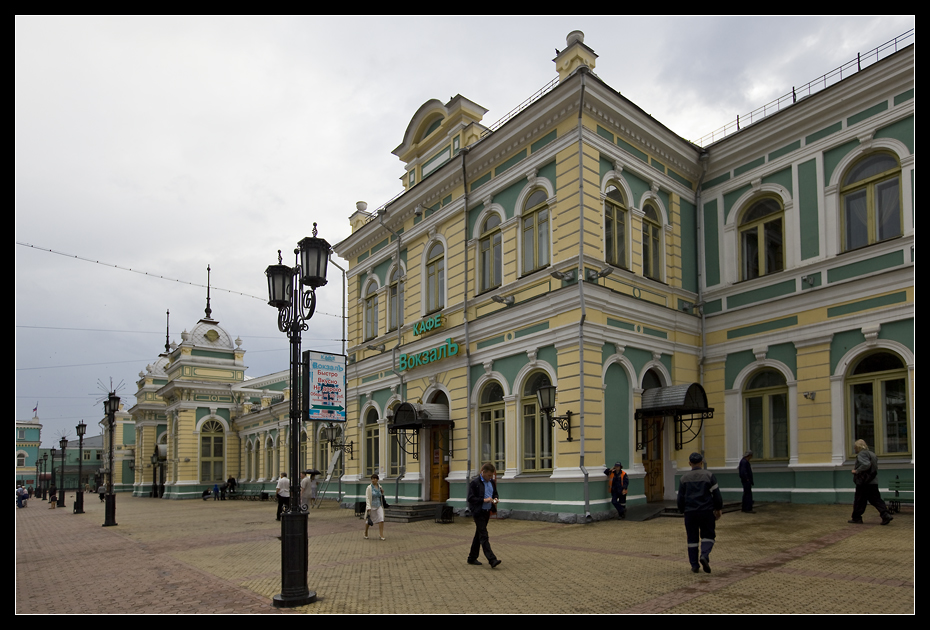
[224,557]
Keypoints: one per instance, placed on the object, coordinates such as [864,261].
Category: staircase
[410,512]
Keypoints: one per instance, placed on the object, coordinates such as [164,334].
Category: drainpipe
[704,158]
[581,280]
[463,152]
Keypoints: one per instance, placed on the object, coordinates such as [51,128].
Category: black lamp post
[545,396]
[292,291]
[51,477]
[44,468]
[110,406]
[38,487]
[79,495]
[63,443]
[154,473]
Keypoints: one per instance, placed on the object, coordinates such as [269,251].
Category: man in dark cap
[700,500]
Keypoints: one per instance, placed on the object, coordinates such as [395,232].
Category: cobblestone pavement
[224,557]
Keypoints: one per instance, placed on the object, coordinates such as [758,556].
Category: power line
[153,275]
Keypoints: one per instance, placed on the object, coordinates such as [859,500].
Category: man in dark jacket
[864,475]
[482,496]
[745,477]
[700,500]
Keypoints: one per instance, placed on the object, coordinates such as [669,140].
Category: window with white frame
[762,238]
[652,242]
[490,256]
[765,415]
[492,428]
[371,310]
[871,201]
[535,232]
[396,299]
[537,429]
[435,277]
[615,227]
[877,404]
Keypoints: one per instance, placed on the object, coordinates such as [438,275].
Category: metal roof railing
[836,75]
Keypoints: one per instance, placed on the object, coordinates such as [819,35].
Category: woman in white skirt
[374,510]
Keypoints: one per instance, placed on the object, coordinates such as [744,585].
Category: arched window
[435,277]
[492,426]
[371,310]
[877,404]
[535,239]
[537,430]
[871,201]
[248,461]
[652,243]
[490,253]
[20,459]
[765,414]
[271,461]
[396,299]
[615,222]
[211,452]
[762,239]
[372,443]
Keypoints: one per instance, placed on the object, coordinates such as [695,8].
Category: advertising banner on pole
[324,386]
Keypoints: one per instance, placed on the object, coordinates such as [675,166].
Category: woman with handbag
[374,506]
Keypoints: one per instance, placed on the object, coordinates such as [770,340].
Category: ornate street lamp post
[79,495]
[44,468]
[155,473]
[110,406]
[292,291]
[63,443]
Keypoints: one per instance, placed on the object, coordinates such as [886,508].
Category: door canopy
[686,404]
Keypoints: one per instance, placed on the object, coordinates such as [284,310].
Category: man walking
[619,483]
[745,477]
[482,497]
[864,475]
[700,500]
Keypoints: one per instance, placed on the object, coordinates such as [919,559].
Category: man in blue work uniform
[482,497]
[619,483]
[700,500]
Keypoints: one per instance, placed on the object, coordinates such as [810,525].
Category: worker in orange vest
[618,482]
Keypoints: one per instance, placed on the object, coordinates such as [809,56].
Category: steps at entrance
[410,512]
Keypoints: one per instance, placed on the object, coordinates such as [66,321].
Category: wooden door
[439,463]
[652,459]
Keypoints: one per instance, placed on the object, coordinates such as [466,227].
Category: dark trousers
[481,536]
[747,496]
[282,503]
[700,527]
[868,493]
[619,502]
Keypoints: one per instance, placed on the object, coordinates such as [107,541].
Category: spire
[208,310]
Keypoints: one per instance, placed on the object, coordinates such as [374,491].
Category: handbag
[384,502]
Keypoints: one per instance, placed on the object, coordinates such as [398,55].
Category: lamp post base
[79,502]
[294,548]
[110,511]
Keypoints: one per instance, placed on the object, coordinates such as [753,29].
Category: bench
[251,494]
[898,486]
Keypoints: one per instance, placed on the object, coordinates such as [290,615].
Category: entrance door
[439,463]
[652,459]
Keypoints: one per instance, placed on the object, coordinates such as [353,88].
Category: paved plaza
[224,557]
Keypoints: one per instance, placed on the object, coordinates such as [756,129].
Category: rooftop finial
[208,310]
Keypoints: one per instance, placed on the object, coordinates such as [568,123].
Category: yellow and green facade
[582,244]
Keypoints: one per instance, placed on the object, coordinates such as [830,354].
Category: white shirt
[284,487]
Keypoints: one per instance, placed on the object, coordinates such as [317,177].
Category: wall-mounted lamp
[378,348]
[808,280]
[545,396]
[595,275]
[506,301]
[564,276]
[810,395]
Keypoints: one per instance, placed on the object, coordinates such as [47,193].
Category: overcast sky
[162,145]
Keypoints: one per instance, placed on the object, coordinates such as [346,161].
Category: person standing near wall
[482,497]
[283,492]
[745,477]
